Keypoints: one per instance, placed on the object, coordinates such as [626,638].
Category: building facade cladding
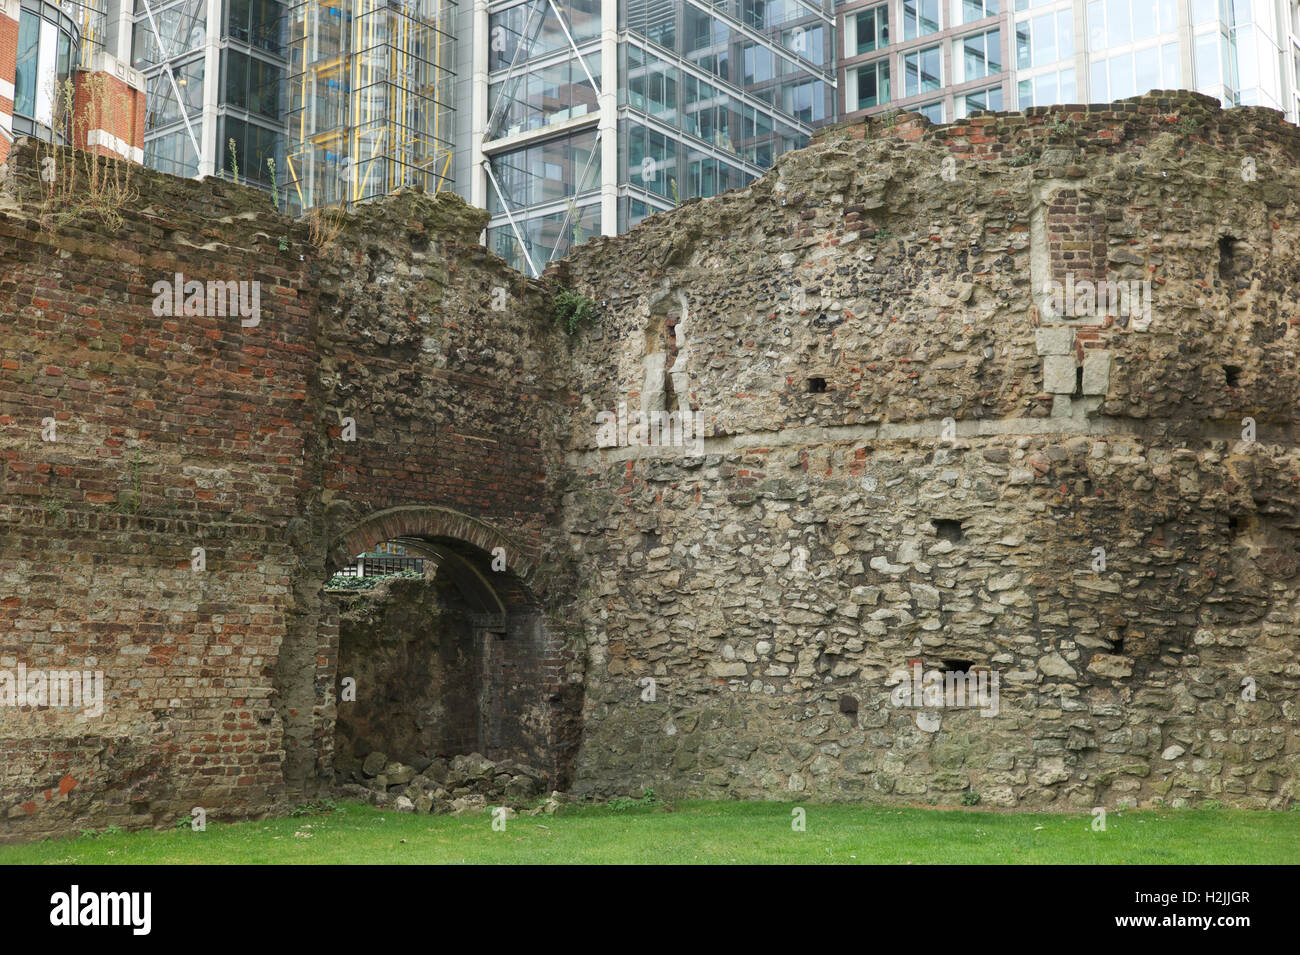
[45,54]
[370,99]
[700,98]
[61,78]
[947,58]
[348,98]
[214,71]
[176,44]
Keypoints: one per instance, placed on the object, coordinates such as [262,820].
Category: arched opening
[443,652]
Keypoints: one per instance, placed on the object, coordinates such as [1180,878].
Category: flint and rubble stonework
[909,455]
[917,300]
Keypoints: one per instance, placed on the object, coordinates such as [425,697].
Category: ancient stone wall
[1013,399]
[920,453]
[382,387]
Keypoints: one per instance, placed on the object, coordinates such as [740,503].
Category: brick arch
[434,523]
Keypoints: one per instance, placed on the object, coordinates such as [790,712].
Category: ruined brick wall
[221,432]
[942,427]
[914,452]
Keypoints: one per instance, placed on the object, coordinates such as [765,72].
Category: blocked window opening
[1232,375]
[947,529]
[1227,256]
[958,666]
[816,386]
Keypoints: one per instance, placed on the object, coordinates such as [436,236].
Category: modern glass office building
[214,73]
[349,98]
[945,58]
[369,99]
[596,113]
[569,118]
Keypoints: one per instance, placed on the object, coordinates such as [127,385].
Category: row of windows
[964,105]
[868,30]
[1128,55]
[973,57]
[1117,22]
[1129,73]
[1045,37]
[1041,39]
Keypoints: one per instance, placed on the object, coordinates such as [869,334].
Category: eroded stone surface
[887,475]
[920,300]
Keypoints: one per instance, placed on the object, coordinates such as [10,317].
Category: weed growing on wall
[78,183]
[571,310]
[324,224]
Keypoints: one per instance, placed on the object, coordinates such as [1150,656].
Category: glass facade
[1063,51]
[368,99]
[350,98]
[707,96]
[178,43]
[48,46]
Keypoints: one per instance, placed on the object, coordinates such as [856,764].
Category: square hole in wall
[947,529]
[1227,256]
[816,386]
[957,666]
[1232,375]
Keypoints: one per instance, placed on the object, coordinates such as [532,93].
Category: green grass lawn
[700,832]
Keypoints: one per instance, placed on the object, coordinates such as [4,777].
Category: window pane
[1144,21]
[46,79]
[1096,25]
[923,71]
[1121,77]
[1117,21]
[1098,85]
[1207,61]
[1147,76]
[1045,90]
[919,18]
[1064,34]
[993,50]
[25,83]
[1169,67]
[1044,39]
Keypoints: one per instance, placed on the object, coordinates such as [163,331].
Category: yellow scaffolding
[91,17]
[370,95]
